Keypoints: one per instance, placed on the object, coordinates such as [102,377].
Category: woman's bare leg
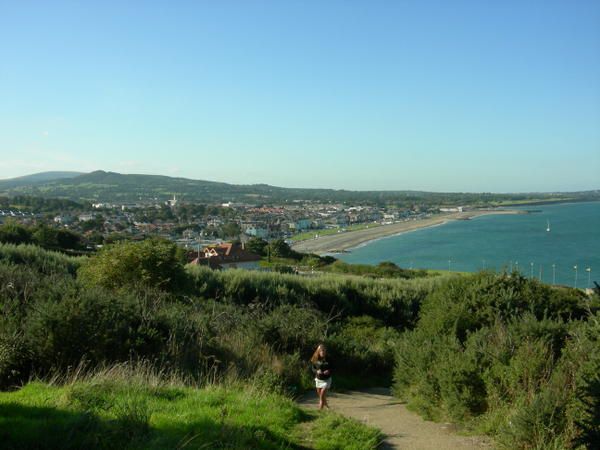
[319,390]
[324,397]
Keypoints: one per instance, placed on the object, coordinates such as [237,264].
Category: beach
[347,240]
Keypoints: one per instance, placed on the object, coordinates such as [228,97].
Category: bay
[562,255]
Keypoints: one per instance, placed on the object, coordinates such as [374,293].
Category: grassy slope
[128,415]
[329,231]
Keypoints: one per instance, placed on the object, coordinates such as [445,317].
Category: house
[342,220]
[226,256]
[303,224]
[300,224]
[258,232]
[64,219]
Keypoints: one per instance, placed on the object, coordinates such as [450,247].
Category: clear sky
[443,96]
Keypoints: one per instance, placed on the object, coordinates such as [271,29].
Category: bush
[13,233]
[395,302]
[36,258]
[153,263]
[504,354]
[362,349]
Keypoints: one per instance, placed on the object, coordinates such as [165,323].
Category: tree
[13,233]
[46,237]
[279,248]
[230,229]
[95,224]
[257,246]
[67,239]
[155,263]
[53,238]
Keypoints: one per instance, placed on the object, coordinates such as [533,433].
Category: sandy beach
[349,239]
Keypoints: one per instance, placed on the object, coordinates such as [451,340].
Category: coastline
[348,240]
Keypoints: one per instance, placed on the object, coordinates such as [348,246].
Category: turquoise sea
[562,255]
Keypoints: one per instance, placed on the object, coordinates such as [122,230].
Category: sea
[568,254]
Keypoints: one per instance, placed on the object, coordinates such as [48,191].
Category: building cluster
[173,220]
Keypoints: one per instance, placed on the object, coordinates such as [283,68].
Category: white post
[531,276]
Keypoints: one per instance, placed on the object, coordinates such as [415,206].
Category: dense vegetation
[41,235]
[193,320]
[39,204]
[509,356]
[115,187]
[505,355]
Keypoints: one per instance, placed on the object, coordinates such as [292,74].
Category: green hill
[36,178]
[104,186]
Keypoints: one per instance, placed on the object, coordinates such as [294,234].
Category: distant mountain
[36,178]
[104,186]
[112,187]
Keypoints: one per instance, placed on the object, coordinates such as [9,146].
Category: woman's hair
[315,357]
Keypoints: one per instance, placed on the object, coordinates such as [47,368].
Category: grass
[334,432]
[105,413]
[531,201]
[329,231]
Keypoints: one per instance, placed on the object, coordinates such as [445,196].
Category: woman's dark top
[324,366]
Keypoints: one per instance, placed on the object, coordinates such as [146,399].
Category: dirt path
[403,429]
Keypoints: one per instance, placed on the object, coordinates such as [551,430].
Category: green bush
[395,302]
[36,258]
[363,352]
[13,233]
[154,263]
[504,354]
[384,269]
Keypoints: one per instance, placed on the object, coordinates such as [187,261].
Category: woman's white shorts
[320,384]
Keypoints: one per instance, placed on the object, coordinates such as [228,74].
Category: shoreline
[342,242]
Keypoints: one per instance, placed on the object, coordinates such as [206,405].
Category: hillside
[36,178]
[497,353]
[104,186]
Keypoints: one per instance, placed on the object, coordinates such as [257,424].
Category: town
[193,225]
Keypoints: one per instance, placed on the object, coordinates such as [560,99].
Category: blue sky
[443,96]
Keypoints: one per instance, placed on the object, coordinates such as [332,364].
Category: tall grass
[394,301]
[132,406]
[43,261]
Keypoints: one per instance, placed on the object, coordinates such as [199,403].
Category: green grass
[115,414]
[334,432]
[329,231]
[531,201]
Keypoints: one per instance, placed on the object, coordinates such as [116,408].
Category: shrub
[506,354]
[13,233]
[152,263]
[362,348]
[36,258]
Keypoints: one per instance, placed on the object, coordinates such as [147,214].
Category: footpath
[402,428]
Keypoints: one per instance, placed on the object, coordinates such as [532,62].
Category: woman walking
[321,367]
